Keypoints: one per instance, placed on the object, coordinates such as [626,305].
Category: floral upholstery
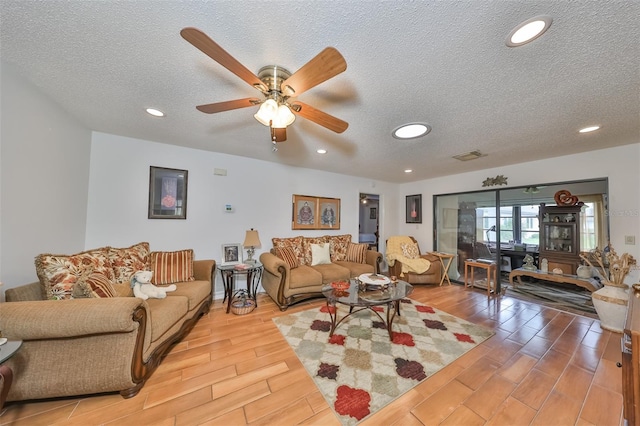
[339,245]
[306,247]
[127,261]
[59,272]
[294,243]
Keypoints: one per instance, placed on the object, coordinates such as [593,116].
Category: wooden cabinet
[631,361]
[560,237]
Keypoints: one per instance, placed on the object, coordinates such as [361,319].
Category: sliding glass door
[502,224]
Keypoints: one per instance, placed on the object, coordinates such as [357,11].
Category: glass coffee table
[359,297]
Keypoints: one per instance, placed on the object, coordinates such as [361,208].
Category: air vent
[472,155]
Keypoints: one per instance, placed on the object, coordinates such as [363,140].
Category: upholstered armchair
[410,271]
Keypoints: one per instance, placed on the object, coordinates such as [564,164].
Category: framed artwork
[373,213]
[231,254]
[305,212]
[315,212]
[167,193]
[329,213]
[414,208]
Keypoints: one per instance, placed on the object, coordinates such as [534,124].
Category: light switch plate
[630,240]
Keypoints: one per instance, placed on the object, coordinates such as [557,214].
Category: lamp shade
[267,112]
[251,239]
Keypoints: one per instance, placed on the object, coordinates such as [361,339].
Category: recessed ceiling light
[589,129]
[411,131]
[529,30]
[155,112]
[408,171]
[321,151]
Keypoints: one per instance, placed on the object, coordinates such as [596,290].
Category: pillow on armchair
[410,250]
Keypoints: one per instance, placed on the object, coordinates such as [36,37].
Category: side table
[253,272]
[6,374]
[445,259]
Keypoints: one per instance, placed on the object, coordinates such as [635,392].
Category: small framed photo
[167,193]
[329,213]
[414,208]
[232,254]
[373,213]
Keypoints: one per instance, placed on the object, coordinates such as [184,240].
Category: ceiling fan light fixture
[529,30]
[411,131]
[268,110]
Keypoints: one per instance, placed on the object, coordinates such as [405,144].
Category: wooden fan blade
[278,134]
[221,56]
[319,117]
[228,105]
[325,65]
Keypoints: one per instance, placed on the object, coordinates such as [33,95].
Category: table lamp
[251,241]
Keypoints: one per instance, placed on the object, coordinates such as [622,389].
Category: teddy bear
[142,287]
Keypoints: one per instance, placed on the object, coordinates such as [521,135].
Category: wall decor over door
[167,193]
[414,208]
[315,212]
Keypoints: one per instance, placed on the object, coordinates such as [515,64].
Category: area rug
[574,300]
[359,370]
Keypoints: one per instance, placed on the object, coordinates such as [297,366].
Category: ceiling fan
[278,109]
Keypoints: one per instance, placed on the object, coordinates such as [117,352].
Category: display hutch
[560,237]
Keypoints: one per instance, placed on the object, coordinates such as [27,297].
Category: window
[529,225]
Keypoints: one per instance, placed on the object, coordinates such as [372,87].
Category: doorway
[369,220]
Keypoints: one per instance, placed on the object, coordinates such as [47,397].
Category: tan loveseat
[291,276]
[98,344]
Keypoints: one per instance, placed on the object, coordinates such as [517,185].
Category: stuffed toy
[142,287]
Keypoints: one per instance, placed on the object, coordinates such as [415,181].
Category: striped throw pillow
[170,267]
[287,254]
[357,253]
[94,285]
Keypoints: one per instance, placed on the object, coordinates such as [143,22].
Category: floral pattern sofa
[83,331]
[297,268]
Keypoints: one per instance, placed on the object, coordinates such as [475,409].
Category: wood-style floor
[542,367]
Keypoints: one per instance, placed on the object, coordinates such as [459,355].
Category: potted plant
[611,301]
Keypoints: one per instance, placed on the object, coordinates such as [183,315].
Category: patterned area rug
[359,370]
[568,298]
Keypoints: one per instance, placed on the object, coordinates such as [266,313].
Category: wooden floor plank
[542,366]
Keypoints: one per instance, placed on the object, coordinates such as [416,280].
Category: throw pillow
[320,254]
[410,251]
[339,245]
[94,286]
[357,253]
[294,243]
[287,254]
[171,267]
[59,272]
[306,246]
[126,261]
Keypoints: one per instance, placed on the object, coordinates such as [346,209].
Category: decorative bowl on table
[340,285]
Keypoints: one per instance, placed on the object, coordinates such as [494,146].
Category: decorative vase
[584,271]
[610,303]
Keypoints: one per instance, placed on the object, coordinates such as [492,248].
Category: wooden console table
[591,285]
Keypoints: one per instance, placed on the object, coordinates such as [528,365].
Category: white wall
[621,165]
[259,191]
[44,178]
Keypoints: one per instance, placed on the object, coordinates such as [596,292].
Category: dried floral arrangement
[618,266]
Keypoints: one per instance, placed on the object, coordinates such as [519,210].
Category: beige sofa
[94,345]
[292,276]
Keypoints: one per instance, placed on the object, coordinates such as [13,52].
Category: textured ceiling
[444,63]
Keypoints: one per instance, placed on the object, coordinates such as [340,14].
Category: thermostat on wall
[228,208]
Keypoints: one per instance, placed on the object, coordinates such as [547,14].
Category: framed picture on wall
[373,213]
[329,213]
[167,193]
[414,208]
[305,212]
[231,254]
